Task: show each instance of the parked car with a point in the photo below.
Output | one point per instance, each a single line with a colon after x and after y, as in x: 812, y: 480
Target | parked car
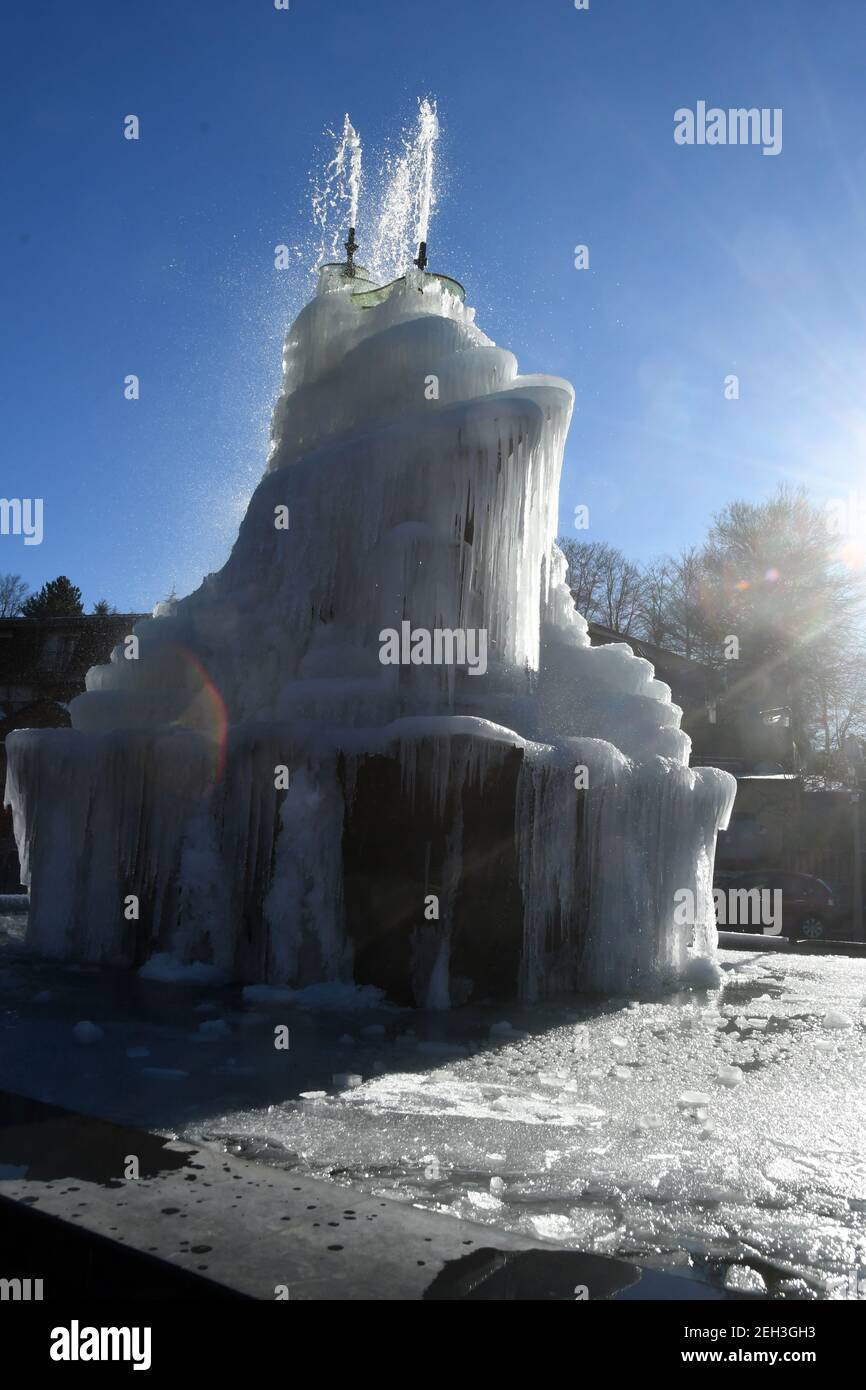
x: 810, y: 908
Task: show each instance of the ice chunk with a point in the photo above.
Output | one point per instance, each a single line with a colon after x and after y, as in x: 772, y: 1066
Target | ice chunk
x: 730, y: 1075
x: 834, y: 1018
x: 167, y: 969
x: 86, y: 1032
x: 267, y: 994
x: 694, y: 1100
x: 646, y: 1123
x: 744, y: 1279
x: 347, y: 1080
x: 795, y: 1288
x: 214, y: 1028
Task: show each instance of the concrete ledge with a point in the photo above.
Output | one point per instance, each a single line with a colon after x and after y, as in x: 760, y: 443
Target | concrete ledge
x: 199, y: 1224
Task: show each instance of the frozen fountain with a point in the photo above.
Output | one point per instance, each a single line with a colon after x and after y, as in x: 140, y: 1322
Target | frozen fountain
x: 377, y: 744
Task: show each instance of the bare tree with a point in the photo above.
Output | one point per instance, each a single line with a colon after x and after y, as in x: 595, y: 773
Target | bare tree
x: 770, y: 575
x: 654, y: 616
x: 13, y: 592
x: 622, y: 594
x: 606, y: 587
x: 835, y: 696
x: 586, y: 567
x: 688, y: 607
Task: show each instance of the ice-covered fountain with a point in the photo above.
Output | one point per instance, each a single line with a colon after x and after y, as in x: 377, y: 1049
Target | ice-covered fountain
x: 305, y: 771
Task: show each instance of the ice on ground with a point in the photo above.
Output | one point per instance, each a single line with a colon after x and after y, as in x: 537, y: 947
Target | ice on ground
x: 214, y: 1029
x: 627, y: 1166
x: 335, y: 996
x: 86, y: 1032
x: 347, y: 1080
x: 694, y: 1100
x: 834, y: 1018
x: 730, y: 1076
x: 168, y: 970
x: 744, y: 1280
x: 268, y: 994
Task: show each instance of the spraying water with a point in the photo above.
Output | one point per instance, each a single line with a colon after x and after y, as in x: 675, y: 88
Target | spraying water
x: 408, y: 198
x: 335, y: 198
x: 428, y: 134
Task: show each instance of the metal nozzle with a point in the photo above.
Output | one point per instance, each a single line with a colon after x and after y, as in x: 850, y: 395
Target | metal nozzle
x: 351, y: 247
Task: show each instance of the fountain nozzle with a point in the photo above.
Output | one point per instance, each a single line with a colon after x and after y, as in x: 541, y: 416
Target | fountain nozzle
x: 421, y: 258
x: 351, y: 247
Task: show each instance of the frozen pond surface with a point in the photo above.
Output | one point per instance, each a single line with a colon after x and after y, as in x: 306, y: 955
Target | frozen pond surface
x: 705, y: 1130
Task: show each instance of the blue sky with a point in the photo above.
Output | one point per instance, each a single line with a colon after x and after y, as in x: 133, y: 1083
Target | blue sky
x: 156, y: 257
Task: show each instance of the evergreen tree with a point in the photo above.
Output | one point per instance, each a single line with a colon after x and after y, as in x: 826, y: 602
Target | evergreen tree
x: 59, y: 598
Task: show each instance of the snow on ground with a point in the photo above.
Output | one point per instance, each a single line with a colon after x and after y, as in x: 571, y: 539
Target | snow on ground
x: 711, y: 1129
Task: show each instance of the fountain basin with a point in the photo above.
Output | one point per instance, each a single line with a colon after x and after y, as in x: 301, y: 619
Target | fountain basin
x: 366, y: 298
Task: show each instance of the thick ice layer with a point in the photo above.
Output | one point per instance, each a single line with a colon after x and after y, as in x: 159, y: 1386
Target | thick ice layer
x: 712, y: 1130
x: 615, y: 856
x: 705, y: 1132
x: 413, y: 479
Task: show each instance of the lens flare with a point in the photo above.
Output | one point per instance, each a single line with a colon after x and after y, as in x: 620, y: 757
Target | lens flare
x: 206, y: 711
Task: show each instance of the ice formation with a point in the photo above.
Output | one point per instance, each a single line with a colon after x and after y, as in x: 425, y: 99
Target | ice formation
x: 217, y: 769
x: 576, y: 1109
